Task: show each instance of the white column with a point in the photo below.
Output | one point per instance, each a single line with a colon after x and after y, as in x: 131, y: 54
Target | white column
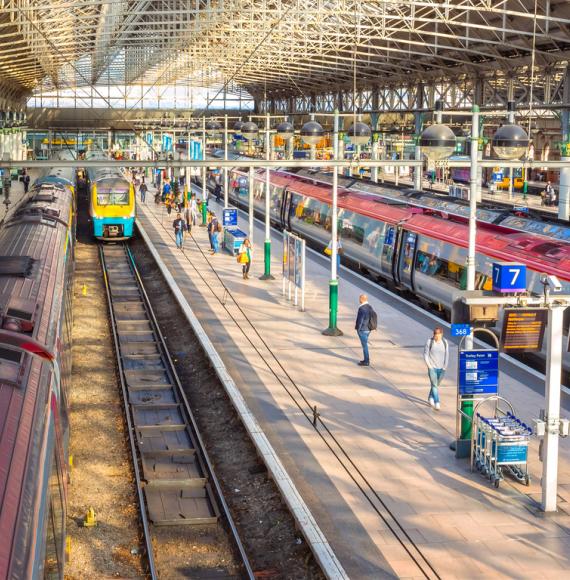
x: 564, y: 192
x: 553, y: 380
x: 251, y: 185
x: 225, y: 170
x: 418, y: 170
x: 374, y: 170
x: 473, y: 187
x: 334, y: 209
x: 204, y: 172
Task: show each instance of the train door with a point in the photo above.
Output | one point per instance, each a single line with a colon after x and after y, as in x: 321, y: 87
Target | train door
x: 388, y: 253
x: 406, y: 256
x: 284, y: 213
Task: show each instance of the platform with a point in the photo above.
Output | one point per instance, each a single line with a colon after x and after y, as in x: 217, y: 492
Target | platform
x: 459, y: 524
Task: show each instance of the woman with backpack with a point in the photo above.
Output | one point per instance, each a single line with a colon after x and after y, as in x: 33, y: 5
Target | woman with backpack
x: 244, y: 257
x: 436, y: 357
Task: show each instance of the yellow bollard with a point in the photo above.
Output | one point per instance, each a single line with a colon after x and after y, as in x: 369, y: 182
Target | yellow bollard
x: 67, y: 548
x: 90, y: 521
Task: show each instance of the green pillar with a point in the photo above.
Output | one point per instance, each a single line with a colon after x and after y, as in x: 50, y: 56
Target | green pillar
x: 204, y: 209
x: 332, y: 330
x: 466, y: 424
x: 267, y: 261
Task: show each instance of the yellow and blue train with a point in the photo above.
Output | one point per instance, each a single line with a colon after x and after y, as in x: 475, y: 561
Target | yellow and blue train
x: 112, y: 205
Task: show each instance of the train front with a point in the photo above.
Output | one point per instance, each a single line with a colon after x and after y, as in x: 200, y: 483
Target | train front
x: 112, y: 208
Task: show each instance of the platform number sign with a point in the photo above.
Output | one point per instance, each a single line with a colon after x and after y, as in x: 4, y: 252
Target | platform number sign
x: 509, y: 277
x: 460, y: 329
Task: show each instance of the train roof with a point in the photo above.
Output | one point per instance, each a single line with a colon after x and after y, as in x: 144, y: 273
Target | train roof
x: 33, y: 239
x: 540, y: 253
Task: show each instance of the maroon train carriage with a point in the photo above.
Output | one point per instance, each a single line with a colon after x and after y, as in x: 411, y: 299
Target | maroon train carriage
x: 410, y: 247
x: 36, y: 267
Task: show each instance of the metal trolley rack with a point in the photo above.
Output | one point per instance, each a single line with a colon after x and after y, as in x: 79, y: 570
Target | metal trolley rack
x: 500, y: 444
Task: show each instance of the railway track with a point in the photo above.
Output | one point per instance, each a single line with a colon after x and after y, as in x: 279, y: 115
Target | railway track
x: 176, y: 485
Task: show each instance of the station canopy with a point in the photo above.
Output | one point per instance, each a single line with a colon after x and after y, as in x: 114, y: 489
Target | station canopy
x: 279, y: 48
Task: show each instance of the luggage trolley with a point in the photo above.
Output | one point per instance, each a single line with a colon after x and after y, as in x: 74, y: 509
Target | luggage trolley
x: 500, y: 443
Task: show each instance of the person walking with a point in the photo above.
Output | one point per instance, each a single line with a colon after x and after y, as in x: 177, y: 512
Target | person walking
x: 550, y: 194
x: 436, y: 357
x: 245, y: 255
x: 215, y: 229
x: 194, y: 209
x: 143, y: 189
x: 179, y: 226
x: 366, y: 321
x: 26, y: 182
x: 218, y: 191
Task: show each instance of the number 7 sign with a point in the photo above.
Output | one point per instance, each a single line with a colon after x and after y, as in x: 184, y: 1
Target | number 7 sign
x: 509, y: 277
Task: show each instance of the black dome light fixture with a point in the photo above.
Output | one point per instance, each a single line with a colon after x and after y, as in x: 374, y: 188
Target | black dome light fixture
x: 238, y: 125
x: 312, y: 132
x: 438, y: 142
x: 359, y: 133
x: 285, y: 130
x: 250, y: 130
x: 213, y: 128
x: 510, y: 142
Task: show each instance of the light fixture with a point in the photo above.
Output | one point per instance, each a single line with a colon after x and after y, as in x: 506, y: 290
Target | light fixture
x: 438, y: 142
x: 312, y: 132
x: 285, y: 130
x: 250, y: 130
x: 212, y: 128
x: 510, y: 142
x: 238, y: 127
x: 359, y: 133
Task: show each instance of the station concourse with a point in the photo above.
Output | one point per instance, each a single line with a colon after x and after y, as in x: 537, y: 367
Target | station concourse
x: 380, y: 416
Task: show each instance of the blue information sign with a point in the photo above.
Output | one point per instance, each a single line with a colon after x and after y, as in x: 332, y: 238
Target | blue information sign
x: 460, y: 329
x: 478, y: 372
x: 230, y: 217
x: 497, y: 176
x: 509, y: 277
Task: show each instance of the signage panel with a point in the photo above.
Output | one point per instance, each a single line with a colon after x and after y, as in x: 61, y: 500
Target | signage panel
x: 460, y: 329
x: 523, y: 329
x: 478, y: 372
x: 230, y: 217
x: 509, y: 277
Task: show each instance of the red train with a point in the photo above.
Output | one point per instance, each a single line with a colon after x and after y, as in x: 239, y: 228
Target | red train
x: 36, y: 267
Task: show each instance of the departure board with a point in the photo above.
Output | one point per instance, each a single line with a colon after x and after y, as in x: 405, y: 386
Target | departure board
x: 523, y: 329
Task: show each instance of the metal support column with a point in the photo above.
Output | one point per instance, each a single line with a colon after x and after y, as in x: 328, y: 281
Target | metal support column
x: 553, y: 381
x: 204, y: 173
x: 225, y: 169
x: 467, y: 404
x: 267, y: 244
x: 332, y: 329
x: 250, y: 187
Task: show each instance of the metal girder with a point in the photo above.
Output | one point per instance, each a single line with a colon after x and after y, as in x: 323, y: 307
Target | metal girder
x: 283, y: 48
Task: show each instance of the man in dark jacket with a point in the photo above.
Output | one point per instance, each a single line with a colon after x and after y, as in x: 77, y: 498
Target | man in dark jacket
x: 363, y: 327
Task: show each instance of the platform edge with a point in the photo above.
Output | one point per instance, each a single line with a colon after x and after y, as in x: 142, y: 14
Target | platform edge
x: 311, y: 531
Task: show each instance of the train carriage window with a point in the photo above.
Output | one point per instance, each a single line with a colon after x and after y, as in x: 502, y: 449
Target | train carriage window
x: 311, y: 212
x: 430, y: 261
x: 351, y: 226
x: 374, y: 236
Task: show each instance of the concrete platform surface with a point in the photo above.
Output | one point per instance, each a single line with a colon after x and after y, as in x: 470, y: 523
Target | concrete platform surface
x: 382, y: 483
